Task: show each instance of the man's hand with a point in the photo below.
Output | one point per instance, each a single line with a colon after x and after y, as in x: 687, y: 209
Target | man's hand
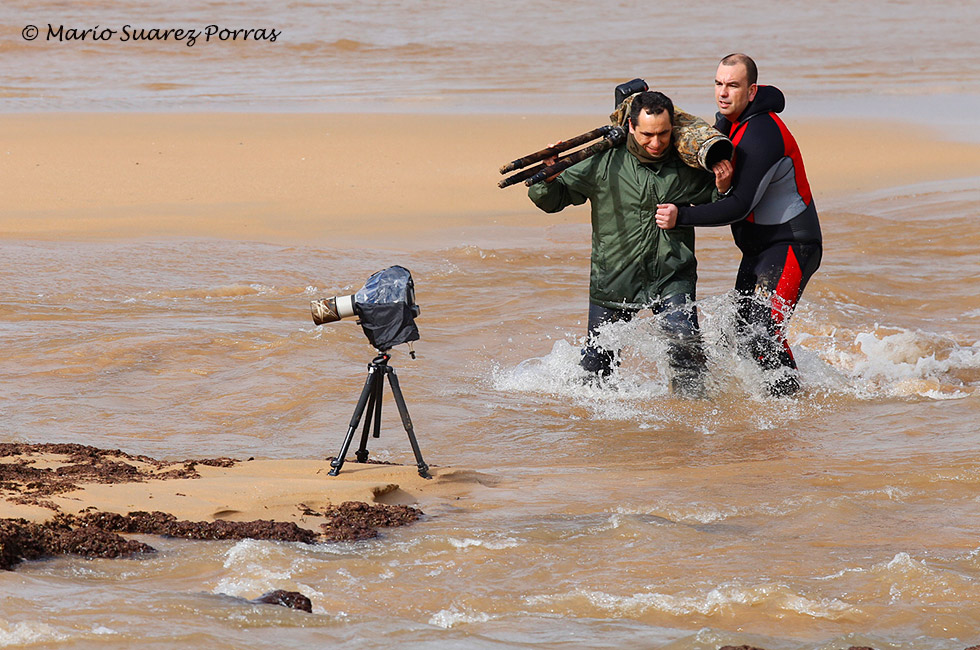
x: 548, y: 162
x: 666, y: 215
x: 723, y: 172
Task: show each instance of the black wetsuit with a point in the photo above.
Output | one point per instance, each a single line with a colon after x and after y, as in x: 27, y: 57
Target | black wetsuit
x: 775, y: 225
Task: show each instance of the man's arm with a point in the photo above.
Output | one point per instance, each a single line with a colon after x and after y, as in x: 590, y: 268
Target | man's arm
x: 571, y: 187
x: 759, y: 150
x: 713, y: 187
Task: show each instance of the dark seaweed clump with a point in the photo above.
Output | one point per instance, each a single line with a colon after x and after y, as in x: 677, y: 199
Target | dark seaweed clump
x: 22, y: 482
x: 99, y: 534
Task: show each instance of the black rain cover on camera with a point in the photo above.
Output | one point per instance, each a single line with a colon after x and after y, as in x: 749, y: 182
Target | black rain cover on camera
x: 386, y: 307
x: 388, y: 325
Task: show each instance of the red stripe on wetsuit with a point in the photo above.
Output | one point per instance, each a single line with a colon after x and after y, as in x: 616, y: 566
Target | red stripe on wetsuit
x: 787, y: 293
x: 792, y: 150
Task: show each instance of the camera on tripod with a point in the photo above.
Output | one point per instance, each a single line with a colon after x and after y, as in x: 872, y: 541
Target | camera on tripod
x: 385, y: 308
x: 386, y: 311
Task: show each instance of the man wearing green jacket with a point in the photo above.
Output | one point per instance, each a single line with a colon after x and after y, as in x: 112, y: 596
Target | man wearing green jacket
x: 635, y: 264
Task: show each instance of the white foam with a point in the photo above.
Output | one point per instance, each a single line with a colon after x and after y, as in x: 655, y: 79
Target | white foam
x: 451, y: 617
x: 719, y: 600
x: 865, y: 363
x: 28, y: 633
x: 250, y: 564
x: 908, y: 578
x: 626, y: 395
x: 468, y: 542
x: 900, y: 362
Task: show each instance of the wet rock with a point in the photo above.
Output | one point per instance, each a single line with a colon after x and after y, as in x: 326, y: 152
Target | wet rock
x: 91, y: 541
x: 283, y: 598
x: 97, y: 534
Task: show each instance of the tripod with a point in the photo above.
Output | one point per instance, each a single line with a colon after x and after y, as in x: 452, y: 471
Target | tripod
x: 371, y: 397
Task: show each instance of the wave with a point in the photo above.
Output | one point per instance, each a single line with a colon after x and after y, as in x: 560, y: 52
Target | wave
x: 897, y: 362
x: 378, y: 52
x: 872, y: 363
x: 453, y: 616
x: 24, y: 633
x: 225, y: 291
x: 469, y: 542
x: 718, y: 601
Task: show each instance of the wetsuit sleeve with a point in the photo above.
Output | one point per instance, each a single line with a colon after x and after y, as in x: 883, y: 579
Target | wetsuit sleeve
x: 573, y: 187
x: 760, y: 148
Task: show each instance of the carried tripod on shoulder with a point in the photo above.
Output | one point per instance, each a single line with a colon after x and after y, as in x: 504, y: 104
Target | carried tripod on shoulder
x: 698, y: 144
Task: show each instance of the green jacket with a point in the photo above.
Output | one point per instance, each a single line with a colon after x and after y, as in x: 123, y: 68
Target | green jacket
x: 634, y: 263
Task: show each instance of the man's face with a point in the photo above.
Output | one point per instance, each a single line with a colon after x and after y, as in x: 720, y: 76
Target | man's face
x: 732, y: 90
x: 652, y: 132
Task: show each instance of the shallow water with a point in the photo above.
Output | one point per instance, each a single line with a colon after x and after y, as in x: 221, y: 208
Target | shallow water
x: 512, y: 56
x: 616, y: 516
x: 602, y: 518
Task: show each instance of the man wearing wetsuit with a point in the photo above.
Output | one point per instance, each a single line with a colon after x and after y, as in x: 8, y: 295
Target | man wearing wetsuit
x: 771, y: 212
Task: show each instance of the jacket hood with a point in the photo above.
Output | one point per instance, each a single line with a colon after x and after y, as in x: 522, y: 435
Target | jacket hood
x: 768, y: 99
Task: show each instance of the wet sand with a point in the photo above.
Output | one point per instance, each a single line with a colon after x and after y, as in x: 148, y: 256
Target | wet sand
x: 75, y: 499
x: 346, y: 178
x: 40, y: 481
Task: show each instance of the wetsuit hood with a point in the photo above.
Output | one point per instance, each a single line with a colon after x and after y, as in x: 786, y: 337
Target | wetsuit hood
x: 768, y: 99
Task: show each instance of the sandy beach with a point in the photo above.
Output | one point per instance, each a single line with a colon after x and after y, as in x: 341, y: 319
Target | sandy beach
x: 241, y: 490
x: 339, y: 179
x: 170, y: 210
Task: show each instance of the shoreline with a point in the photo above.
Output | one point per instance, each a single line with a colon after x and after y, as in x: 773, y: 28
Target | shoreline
x: 71, y: 499
x: 341, y: 179
x: 39, y: 481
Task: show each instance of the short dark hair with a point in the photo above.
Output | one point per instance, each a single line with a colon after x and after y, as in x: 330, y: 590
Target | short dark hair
x: 746, y: 60
x: 654, y: 103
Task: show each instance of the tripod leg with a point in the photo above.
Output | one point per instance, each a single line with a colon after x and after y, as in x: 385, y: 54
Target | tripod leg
x: 366, y: 392
x: 379, y: 394
x: 407, y: 422
x: 373, y: 414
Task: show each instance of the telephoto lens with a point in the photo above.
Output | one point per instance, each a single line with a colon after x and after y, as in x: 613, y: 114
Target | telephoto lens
x: 328, y: 310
